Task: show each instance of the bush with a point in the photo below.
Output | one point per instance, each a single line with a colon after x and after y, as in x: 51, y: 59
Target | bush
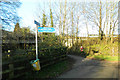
x: 50, y: 46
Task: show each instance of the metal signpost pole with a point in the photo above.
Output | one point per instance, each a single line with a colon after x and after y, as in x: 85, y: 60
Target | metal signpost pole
x: 36, y: 43
x: 40, y: 29
x: 35, y: 63
x: 37, y: 24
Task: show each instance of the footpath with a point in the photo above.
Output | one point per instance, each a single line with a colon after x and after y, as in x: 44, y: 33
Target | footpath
x: 87, y: 68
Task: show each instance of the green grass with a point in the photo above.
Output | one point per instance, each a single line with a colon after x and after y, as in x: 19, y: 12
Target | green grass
x: 112, y: 58
x: 51, y: 71
x: 106, y: 58
x: 105, y: 51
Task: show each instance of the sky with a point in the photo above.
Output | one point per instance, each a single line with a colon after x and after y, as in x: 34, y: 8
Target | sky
x: 27, y: 13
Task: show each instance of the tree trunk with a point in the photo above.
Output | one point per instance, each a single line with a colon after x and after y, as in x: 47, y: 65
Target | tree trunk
x: 100, y: 22
x: 60, y: 27
x: 77, y: 30
x: 72, y: 27
x: 113, y: 31
x: 67, y: 37
x: 107, y: 22
x: 87, y: 30
x: 64, y: 21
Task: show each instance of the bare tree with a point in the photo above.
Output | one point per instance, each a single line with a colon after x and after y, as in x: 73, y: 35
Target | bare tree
x: 8, y: 14
x: 107, y: 21
x: 60, y: 21
x: 87, y: 29
x: 72, y: 20
x: 64, y: 20
x: 93, y: 11
x: 113, y: 18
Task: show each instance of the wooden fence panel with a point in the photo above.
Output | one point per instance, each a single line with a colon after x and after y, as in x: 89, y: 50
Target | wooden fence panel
x: 15, y: 69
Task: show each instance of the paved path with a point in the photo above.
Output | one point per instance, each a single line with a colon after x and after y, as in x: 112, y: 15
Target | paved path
x: 87, y: 68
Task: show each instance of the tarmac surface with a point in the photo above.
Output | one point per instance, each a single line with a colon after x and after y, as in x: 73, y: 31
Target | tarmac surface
x: 87, y: 68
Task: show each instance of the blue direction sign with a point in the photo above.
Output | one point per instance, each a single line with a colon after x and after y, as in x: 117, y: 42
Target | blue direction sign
x: 37, y: 23
x: 46, y: 29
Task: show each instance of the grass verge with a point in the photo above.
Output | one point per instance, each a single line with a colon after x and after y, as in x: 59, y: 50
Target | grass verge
x: 51, y: 71
x: 104, y: 57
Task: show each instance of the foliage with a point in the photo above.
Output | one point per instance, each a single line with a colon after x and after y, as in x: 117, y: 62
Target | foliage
x: 51, y: 46
x: 13, y: 39
x: 17, y: 31
x: 103, y: 51
x: 44, y: 20
x: 75, y: 50
x: 25, y: 32
x: 8, y: 14
x: 96, y: 48
x: 47, y: 49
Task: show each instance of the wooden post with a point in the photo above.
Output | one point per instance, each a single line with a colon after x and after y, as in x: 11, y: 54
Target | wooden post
x: 11, y: 68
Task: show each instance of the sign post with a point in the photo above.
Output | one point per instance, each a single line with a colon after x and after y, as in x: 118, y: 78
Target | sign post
x: 42, y: 29
x: 46, y: 29
x: 36, y: 44
x: 35, y: 63
x: 37, y: 24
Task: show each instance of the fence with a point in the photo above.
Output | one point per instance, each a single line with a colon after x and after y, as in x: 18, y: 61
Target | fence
x: 18, y: 68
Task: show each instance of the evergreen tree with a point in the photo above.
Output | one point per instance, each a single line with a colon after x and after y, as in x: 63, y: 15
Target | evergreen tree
x: 25, y: 32
x: 17, y: 27
x: 51, y: 17
x: 44, y: 20
x: 17, y: 30
x: 17, y: 34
